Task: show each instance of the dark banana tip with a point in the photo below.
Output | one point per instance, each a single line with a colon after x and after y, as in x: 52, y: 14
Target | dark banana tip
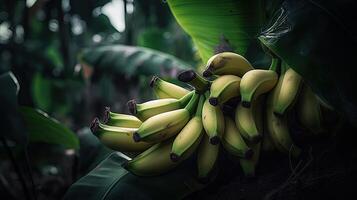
x: 132, y: 106
x: 106, y: 115
x: 249, y: 154
x: 153, y: 81
x: 207, y: 73
x: 213, y: 101
x: 174, y: 157
x: 136, y: 137
x: 257, y: 139
x: 246, y: 104
x: 186, y: 76
x: 278, y: 114
x: 94, y: 125
x: 214, y: 140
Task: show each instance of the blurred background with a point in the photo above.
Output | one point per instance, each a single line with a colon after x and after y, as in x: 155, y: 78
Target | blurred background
x: 72, y: 58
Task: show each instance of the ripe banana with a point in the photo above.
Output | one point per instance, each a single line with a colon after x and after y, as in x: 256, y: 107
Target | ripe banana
x: 309, y: 111
x: 224, y: 88
x: 117, y: 138
x: 165, y: 125
x: 256, y: 82
x: 151, y: 108
x: 200, y: 84
x: 249, y: 121
x: 227, y: 63
x: 213, y: 122
x: 164, y: 89
x: 288, y: 92
x: 121, y: 120
x: 233, y: 142
x: 206, y: 157
x: 278, y: 127
x: 248, y: 165
x: 190, y: 136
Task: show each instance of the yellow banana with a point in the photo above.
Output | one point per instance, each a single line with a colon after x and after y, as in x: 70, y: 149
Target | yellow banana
x: 117, y: 138
x: 206, y: 157
x: 164, y: 89
x: 233, y: 142
x: 200, y: 84
x: 121, y: 120
x: 213, y: 122
x: 224, y: 88
x: 151, y: 108
x: 249, y: 165
x: 190, y: 135
x: 165, y: 125
x: 227, y: 63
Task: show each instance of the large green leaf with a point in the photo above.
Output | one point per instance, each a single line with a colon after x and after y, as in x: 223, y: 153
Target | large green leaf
x: 130, y: 60
x: 109, y: 180
x: 42, y: 128
x: 318, y: 40
x: 208, y: 21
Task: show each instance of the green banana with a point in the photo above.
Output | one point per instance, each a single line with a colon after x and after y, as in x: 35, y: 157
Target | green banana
x: 117, y: 138
x: 227, y: 63
x: 200, y: 84
x: 165, y: 125
x: 224, y: 88
x: 121, y: 120
x: 257, y: 82
x: 233, y: 142
x: 213, y: 122
x: 206, y: 157
x: 190, y: 135
x: 288, y: 92
x: 248, y: 165
x: 151, y: 108
x: 164, y: 89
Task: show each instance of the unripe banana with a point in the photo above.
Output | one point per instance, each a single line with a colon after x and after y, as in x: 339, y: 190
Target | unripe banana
x: 117, y: 138
x: 224, y: 88
x: 227, y: 63
x: 249, y: 165
x: 288, y: 92
x: 120, y: 120
x: 165, y: 125
x: 309, y: 110
x: 151, y: 108
x: 200, y: 84
x: 164, y: 89
x: 278, y: 127
x: 206, y: 157
x: 233, y: 142
x: 190, y: 135
x: 249, y: 121
x: 213, y: 122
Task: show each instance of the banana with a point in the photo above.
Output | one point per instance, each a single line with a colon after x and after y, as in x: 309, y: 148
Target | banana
x: 224, y: 88
x: 249, y: 165
x: 277, y: 126
x: 206, y: 157
x: 121, y: 120
x: 257, y: 82
x: 309, y: 110
x: 165, y: 125
x: 190, y: 135
x: 200, y: 84
x: 288, y: 92
x: 227, y: 63
x: 148, y: 109
x: 249, y: 120
x: 117, y: 138
x: 233, y: 142
x: 213, y: 122
x: 164, y: 89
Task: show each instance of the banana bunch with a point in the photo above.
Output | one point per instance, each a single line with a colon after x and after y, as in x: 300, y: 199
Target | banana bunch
x: 205, y: 118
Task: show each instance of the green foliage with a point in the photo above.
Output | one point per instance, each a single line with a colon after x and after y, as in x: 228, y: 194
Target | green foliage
x: 42, y: 128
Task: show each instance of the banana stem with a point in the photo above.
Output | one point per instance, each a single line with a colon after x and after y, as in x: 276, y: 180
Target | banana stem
x: 275, y: 64
x: 200, y: 106
x: 185, y: 99
x: 200, y: 84
x: 192, y: 104
x: 284, y: 67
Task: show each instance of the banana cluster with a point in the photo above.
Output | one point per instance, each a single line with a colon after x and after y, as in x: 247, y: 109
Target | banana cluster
x: 232, y: 106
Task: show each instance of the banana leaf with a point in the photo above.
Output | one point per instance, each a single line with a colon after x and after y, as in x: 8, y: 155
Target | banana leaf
x: 130, y: 61
x: 109, y: 180
x: 318, y: 40
x: 220, y: 25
